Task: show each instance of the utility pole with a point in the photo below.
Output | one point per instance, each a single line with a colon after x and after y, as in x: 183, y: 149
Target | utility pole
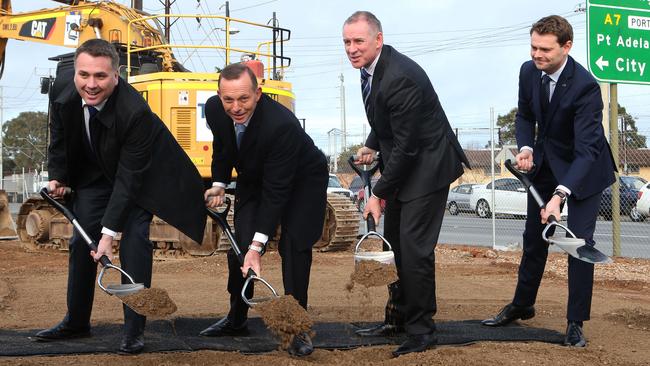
x: 1, y: 140
x: 168, y: 23
x: 344, y: 144
x: 136, y: 4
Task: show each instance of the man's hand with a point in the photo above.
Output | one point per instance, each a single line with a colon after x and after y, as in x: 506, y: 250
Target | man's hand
x: 365, y: 155
x: 524, y: 160
x: 552, y: 208
x: 373, y: 207
x: 214, y: 196
x: 252, y: 260
x: 56, y: 189
x: 105, y: 247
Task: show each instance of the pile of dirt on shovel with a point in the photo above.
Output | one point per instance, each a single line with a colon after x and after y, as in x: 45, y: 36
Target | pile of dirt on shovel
x: 285, y: 318
x: 151, y: 302
x: 370, y: 273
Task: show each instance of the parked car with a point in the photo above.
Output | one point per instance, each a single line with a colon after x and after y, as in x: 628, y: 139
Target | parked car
x: 629, y: 194
x: 458, y: 199
x: 510, y: 198
x: 642, y: 209
x: 334, y: 186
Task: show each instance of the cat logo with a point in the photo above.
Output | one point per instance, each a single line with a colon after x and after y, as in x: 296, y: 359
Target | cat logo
x: 41, y: 28
x: 38, y: 29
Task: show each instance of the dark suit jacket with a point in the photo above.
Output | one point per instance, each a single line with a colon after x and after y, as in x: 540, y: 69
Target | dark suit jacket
x: 571, y: 135
x: 419, y: 151
x: 279, y: 169
x: 136, y: 153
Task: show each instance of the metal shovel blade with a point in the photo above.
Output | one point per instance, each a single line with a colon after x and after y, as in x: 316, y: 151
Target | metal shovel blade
x: 579, y: 249
x: 124, y: 289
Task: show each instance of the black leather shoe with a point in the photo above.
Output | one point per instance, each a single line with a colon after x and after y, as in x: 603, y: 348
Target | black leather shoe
x: 62, y: 331
x: 225, y: 327
x: 301, y: 345
x: 381, y: 330
x: 574, y: 335
x: 509, y: 314
x: 132, y: 344
x: 416, y: 343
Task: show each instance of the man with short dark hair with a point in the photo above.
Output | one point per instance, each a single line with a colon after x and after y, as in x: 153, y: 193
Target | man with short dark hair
x: 124, y: 167
x: 281, y: 179
x: 563, y: 147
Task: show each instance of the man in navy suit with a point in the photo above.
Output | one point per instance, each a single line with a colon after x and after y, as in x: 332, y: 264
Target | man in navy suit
x: 563, y: 147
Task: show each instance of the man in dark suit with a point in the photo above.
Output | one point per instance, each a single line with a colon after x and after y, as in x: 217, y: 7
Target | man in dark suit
x: 560, y: 137
x: 420, y: 157
x: 281, y: 179
x: 124, y: 166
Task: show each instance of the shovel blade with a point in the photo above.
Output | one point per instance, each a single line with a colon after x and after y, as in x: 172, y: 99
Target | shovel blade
x: 577, y: 248
x: 124, y: 289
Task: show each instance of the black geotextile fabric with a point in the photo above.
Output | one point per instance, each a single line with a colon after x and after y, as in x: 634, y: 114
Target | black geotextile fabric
x: 181, y: 334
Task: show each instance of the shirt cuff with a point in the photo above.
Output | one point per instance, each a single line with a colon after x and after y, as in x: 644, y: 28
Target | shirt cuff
x: 262, y: 238
x: 109, y: 232
x: 526, y: 148
x: 218, y: 184
x: 564, y: 189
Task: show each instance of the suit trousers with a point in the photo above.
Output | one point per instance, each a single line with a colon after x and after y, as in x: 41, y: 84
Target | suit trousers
x: 136, y: 255
x: 412, y: 228
x: 582, y: 221
x: 296, y: 265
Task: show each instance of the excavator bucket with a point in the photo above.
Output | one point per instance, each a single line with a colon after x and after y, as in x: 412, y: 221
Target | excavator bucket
x: 7, y: 225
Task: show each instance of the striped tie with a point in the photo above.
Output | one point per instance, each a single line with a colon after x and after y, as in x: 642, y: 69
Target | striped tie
x: 365, y: 89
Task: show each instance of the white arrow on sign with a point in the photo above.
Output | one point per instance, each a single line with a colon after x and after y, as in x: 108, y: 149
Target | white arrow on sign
x: 602, y: 63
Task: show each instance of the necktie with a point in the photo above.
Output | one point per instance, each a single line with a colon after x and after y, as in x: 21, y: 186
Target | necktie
x: 546, y: 91
x: 365, y: 88
x: 240, y: 128
x: 92, y: 112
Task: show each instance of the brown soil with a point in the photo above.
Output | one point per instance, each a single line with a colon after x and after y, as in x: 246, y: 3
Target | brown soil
x: 285, y: 317
x: 152, y: 302
x: 472, y: 283
x: 370, y: 273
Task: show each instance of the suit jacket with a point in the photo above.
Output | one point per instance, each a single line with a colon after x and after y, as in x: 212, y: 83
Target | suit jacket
x: 570, y: 135
x: 419, y: 151
x: 136, y: 153
x: 279, y: 169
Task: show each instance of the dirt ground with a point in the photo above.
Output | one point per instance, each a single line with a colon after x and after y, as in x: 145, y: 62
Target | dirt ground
x: 473, y: 283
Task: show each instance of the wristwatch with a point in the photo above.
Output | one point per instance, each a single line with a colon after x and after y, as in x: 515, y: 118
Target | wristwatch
x: 560, y: 193
x: 260, y: 250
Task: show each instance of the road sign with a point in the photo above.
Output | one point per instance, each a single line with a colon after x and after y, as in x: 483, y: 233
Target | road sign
x: 618, y: 40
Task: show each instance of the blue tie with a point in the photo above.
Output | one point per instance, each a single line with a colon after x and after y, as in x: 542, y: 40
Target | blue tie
x: 92, y: 111
x: 365, y: 88
x: 546, y: 92
x: 240, y: 128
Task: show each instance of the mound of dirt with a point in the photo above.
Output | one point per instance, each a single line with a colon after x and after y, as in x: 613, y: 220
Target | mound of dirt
x: 151, y: 302
x: 285, y: 318
x: 371, y: 273
x: 637, y: 318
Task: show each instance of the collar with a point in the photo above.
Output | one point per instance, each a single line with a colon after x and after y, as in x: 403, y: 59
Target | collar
x: 556, y: 75
x: 98, y: 106
x: 371, y: 69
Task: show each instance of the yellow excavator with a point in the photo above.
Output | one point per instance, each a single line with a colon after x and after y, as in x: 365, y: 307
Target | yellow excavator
x: 174, y: 93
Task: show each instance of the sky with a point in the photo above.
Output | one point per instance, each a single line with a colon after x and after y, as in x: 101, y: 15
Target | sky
x: 471, y: 51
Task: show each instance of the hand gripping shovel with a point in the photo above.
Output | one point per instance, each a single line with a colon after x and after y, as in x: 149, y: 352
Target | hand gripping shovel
x: 572, y: 245
x: 221, y: 218
x: 111, y: 289
x: 387, y: 256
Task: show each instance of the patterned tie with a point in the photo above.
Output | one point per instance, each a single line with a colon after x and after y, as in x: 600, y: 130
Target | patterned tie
x: 240, y: 128
x: 546, y: 92
x: 365, y: 89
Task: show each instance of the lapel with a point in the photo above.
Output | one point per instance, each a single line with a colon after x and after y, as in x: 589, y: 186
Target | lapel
x: 561, y: 87
x: 382, y: 63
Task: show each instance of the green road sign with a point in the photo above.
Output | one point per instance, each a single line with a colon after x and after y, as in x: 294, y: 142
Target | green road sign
x: 618, y: 40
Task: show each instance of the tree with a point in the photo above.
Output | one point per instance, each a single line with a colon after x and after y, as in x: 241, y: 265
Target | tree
x: 506, y: 125
x: 24, y: 141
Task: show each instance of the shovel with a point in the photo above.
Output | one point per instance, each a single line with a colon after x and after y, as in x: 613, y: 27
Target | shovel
x: 387, y: 256
x: 221, y: 218
x: 574, y: 246
x: 111, y: 289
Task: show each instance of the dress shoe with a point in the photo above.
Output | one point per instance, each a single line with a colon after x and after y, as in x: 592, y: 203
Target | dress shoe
x: 62, y: 331
x: 301, y: 345
x: 132, y: 344
x: 574, y: 335
x: 509, y: 314
x: 381, y: 330
x: 225, y: 327
x: 416, y: 343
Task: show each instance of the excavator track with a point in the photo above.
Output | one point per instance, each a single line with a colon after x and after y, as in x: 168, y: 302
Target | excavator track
x: 341, y: 224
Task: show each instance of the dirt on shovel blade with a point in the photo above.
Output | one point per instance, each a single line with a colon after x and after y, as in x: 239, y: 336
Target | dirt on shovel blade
x: 285, y: 318
x: 370, y: 273
x: 152, y: 302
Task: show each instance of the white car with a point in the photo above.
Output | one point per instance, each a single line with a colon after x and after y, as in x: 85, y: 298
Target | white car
x: 510, y: 198
x: 334, y: 186
x: 642, y: 208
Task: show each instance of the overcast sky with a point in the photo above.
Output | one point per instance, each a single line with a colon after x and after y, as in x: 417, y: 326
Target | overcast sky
x: 471, y: 50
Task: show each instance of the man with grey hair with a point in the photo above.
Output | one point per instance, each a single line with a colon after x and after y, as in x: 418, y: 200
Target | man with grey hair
x: 419, y: 156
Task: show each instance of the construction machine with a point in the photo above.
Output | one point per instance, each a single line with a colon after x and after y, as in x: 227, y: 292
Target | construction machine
x: 174, y: 93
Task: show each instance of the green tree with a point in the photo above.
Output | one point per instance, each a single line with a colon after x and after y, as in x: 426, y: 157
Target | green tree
x: 24, y: 141
x: 506, y: 125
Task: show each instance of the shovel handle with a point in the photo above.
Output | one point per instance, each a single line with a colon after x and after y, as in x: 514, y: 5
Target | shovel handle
x: 526, y: 181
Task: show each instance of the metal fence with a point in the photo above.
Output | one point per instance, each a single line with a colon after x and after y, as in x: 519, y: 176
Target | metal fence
x: 487, y: 205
